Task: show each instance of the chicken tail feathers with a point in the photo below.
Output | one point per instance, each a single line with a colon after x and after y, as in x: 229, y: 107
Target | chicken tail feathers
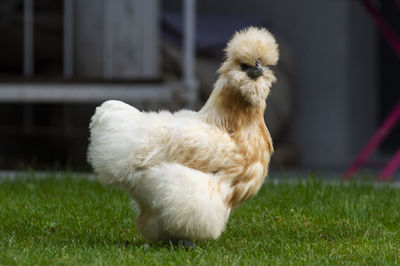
x: 109, y: 143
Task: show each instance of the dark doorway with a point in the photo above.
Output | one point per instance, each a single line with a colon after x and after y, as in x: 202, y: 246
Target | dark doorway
x: 389, y: 92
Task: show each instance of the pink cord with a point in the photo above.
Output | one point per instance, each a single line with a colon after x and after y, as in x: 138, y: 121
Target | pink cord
x: 384, y: 27
x: 391, y: 167
x: 392, y: 118
x: 378, y: 137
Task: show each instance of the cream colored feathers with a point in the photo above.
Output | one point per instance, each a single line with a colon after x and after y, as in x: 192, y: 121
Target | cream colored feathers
x: 252, y: 43
x: 187, y: 171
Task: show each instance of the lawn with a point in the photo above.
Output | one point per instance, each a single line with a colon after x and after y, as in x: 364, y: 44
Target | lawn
x: 72, y: 220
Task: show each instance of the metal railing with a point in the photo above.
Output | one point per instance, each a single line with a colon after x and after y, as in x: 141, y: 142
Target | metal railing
x: 96, y: 92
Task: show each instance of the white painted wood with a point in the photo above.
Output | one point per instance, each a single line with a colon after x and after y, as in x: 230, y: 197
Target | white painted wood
x: 150, y: 45
x: 189, y: 50
x: 117, y: 39
x: 85, y: 93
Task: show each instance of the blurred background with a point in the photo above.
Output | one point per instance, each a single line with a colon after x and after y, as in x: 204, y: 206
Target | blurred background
x: 337, y: 77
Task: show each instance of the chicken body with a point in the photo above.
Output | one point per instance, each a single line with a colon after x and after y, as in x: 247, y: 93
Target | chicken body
x: 188, y: 170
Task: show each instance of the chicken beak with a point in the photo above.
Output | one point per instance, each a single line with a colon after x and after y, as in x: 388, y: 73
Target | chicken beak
x: 258, y: 64
x: 256, y: 71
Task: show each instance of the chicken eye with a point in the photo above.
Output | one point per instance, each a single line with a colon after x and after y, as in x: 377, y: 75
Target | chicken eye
x: 244, y: 66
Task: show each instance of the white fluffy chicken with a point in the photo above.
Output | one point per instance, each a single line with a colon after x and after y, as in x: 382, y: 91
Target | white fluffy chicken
x: 188, y: 170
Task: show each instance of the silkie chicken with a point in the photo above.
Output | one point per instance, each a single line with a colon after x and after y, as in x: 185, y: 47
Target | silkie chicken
x: 187, y: 171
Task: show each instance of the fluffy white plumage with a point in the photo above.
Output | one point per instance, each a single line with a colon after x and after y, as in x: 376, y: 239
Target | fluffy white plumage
x: 188, y: 170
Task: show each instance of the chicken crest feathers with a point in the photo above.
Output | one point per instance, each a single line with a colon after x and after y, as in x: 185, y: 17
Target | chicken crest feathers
x: 249, y: 44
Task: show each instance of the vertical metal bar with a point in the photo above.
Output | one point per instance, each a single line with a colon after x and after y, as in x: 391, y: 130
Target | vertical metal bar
x: 68, y: 38
x: 107, y: 39
x: 189, y: 49
x: 28, y: 38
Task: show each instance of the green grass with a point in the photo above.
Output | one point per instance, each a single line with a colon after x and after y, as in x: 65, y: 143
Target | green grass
x: 76, y: 221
